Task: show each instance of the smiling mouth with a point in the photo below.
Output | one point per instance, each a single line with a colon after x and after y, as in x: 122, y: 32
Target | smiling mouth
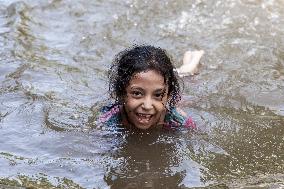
x: 144, y: 118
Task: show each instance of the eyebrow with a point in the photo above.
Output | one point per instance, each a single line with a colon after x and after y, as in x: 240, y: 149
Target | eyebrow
x: 161, y: 90
x: 136, y: 88
x: 157, y: 90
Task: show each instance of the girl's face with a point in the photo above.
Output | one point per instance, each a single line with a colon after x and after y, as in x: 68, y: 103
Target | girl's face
x: 145, y: 100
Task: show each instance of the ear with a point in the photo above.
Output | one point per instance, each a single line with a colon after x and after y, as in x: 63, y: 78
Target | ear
x: 122, y: 99
x: 169, y: 96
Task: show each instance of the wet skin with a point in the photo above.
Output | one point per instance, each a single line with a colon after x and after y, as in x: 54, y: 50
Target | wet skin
x: 145, y: 101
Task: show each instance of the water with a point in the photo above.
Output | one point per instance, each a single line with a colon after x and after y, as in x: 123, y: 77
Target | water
x: 54, y: 56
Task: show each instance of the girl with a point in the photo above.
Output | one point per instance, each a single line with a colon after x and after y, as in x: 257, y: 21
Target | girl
x: 145, y: 88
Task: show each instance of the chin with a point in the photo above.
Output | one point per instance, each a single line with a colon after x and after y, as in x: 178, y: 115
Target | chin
x: 143, y: 127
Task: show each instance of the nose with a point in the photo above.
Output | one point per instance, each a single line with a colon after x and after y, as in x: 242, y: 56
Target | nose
x: 147, y: 103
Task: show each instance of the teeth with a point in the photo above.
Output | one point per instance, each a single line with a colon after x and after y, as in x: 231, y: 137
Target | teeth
x: 144, y: 116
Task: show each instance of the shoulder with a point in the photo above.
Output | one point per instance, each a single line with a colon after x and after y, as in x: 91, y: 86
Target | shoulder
x: 110, y: 108
x: 108, y: 115
x: 175, y: 118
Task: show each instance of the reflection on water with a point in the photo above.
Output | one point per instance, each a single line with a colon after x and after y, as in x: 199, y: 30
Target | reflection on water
x: 155, y: 160
x: 54, y: 56
x: 141, y: 162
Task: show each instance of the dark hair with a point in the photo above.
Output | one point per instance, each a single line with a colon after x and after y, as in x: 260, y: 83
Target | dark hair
x: 142, y: 58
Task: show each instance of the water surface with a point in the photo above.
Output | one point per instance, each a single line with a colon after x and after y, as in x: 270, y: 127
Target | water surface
x: 54, y: 56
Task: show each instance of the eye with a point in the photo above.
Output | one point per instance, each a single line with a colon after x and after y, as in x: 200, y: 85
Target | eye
x: 136, y: 94
x: 159, y: 95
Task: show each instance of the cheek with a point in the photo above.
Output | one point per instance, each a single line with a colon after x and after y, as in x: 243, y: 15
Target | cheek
x: 161, y: 105
x: 130, y: 104
x: 164, y: 101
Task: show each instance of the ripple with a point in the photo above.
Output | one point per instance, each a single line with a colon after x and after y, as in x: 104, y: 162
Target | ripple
x: 54, y: 56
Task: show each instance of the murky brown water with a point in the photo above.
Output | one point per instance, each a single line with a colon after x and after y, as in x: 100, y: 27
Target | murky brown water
x: 53, y: 61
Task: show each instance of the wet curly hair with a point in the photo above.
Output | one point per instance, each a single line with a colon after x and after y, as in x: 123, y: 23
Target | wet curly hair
x: 137, y: 59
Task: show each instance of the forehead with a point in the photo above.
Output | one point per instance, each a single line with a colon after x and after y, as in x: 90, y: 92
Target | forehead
x: 147, y: 79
